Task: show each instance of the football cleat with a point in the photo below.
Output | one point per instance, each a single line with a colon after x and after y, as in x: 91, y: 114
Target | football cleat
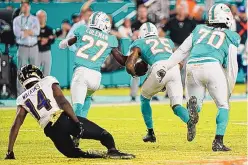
x: 193, y: 115
x: 76, y: 141
x: 150, y: 137
x: 218, y: 145
x: 116, y: 154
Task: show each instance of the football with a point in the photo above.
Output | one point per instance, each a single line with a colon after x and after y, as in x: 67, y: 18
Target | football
x: 141, y: 68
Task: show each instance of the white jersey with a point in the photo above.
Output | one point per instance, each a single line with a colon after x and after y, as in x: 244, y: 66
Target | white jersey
x: 39, y: 100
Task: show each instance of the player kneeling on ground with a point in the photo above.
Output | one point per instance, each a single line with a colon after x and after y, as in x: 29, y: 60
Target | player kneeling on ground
x: 155, y: 51
x: 211, y: 51
x: 44, y: 100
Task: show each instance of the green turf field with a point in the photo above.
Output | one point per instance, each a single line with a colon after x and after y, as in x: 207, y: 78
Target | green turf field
x: 127, y: 127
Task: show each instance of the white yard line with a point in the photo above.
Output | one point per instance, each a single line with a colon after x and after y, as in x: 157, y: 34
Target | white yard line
x: 135, y: 103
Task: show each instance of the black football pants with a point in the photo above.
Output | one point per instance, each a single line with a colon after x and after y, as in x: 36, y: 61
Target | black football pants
x: 60, y: 133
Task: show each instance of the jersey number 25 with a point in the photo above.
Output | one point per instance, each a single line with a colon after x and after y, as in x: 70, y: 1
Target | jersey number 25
x: 101, y: 44
x: 155, y: 50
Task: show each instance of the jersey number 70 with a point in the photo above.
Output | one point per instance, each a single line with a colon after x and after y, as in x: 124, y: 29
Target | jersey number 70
x: 42, y: 102
x: 204, y: 33
x: 91, y: 42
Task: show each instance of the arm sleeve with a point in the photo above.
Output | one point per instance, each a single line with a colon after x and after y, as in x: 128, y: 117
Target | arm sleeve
x: 19, y: 101
x: 51, y: 80
x: 181, y: 53
x: 232, y: 67
x: 71, y: 32
x: 17, y: 29
x: 36, y: 27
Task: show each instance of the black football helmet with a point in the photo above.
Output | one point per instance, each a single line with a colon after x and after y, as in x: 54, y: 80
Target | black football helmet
x: 29, y: 73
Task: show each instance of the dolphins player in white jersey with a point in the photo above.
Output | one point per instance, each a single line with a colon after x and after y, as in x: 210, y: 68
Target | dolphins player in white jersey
x: 212, y: 64
x: 44, y: 100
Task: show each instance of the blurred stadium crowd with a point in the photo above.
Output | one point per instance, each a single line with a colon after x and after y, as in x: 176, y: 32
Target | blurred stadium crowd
x: 175, y: 23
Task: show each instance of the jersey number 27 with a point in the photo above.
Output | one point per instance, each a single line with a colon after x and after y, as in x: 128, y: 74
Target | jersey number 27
x: 42, y: 102
x: 91, y: 42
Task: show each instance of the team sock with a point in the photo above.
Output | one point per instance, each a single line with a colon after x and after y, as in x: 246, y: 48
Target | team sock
x: 222, y: 121
x: 77, y: 107
x: 181, y: 112
x: 146, y: 112
x: 86, y: 107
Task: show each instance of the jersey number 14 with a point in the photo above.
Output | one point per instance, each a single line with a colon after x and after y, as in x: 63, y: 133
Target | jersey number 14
x: 42, y: 102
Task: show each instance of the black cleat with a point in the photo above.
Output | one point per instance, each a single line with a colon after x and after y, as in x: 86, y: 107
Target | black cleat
x: 116, y: 154
x: 150, y: 136
x: 218, y: 145
x: 76, y: 141
x: 193, y: 115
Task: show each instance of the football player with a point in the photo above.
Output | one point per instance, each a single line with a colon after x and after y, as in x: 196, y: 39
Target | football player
x: 155, y: 51
x: 44, y: 100
x: 94, y: 44
x: 212, y: 64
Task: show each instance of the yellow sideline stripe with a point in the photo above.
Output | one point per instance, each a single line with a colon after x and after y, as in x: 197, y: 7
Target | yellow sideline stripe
x: 239, y: 89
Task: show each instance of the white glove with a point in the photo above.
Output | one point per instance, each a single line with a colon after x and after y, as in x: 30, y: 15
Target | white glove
x: 63, y: 44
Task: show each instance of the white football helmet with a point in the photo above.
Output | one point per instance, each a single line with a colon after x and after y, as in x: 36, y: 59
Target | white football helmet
x: 101, y: 21
x: 148, y: 29
x: 220, y: 13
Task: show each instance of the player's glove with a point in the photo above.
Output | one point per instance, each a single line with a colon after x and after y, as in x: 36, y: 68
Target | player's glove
x: 80, y: 129
x: 10, y: 155
x: 63, y: 44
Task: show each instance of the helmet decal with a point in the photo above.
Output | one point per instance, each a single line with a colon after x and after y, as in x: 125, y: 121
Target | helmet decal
x: 213, y: 11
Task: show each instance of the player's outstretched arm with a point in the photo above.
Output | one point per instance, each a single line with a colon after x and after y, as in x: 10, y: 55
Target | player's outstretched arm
x: 63, y: 103
x: 20, y: 117
x: 119, y: 57
x: 131, y: 61
x: 67, y: 42
x: 181, y: 53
